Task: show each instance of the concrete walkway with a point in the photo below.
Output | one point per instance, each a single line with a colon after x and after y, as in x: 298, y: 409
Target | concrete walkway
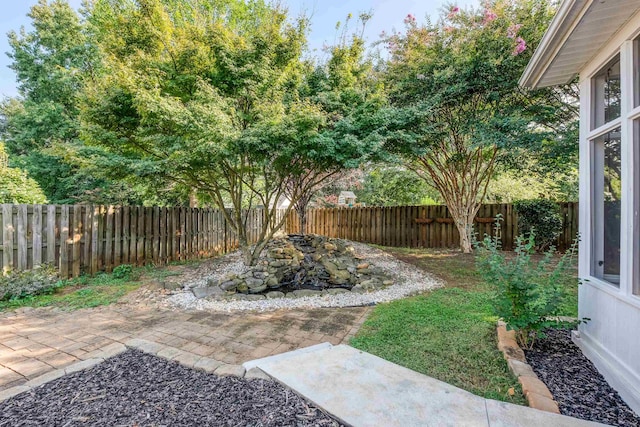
x: 34, y: 342
x: 364, y: 390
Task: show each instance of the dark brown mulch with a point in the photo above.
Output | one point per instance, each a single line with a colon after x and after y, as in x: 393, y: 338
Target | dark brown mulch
x: 138, y: 389
x: 580, y: 390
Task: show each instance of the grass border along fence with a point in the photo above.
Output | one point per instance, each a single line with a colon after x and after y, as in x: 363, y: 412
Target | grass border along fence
x: 421, y: 226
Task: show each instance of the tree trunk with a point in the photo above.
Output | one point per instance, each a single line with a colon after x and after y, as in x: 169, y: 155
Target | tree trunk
x: 302, y: 217
x: 465, y: 231
x: 463, y: 217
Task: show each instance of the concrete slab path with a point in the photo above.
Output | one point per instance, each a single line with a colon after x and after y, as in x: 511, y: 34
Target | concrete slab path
x: 34, y: 342
x: 364, y: 390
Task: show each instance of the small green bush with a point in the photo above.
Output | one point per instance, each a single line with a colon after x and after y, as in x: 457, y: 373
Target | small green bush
x: 528, y: 292
x: 23, y: 284
x: 123, y: 271
x: 541, y: 215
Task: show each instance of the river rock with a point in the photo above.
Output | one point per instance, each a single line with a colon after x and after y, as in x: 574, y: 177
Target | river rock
x: 258, y: 289
x: 275, y: 294
x: 306, y: 293
x: 229, y: 286
x: 254, y: 283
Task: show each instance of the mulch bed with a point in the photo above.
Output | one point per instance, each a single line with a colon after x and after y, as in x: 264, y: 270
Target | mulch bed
x: 138, y: 389
x: 575, y: 383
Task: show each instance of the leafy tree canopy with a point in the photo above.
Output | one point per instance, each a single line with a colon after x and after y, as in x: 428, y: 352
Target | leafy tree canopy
x: 456, y: 108
x: 215, y: 96
x: 15, y: 185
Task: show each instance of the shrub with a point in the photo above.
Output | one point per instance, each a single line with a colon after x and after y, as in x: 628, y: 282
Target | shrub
x: 528, y: 292
x: 123, y: 271
x: 22, y: 284
x: 541, y: 215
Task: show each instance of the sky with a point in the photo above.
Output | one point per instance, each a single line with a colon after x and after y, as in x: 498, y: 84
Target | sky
x: 387, y: 15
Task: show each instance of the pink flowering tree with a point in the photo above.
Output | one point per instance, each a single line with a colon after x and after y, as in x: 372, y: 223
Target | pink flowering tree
x: 457, y: 112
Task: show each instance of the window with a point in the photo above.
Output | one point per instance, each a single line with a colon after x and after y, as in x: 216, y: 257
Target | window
x: 636, y: 208
x: 606, y: 94
x: 636, y: 72
x: 606, y: 207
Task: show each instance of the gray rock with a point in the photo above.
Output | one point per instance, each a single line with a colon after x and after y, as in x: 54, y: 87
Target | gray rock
x: 254, y: 283
x: 336, y: 291
x: 242, y: 287
x: 229, y: 286
x: 358, y: 289
x: 275, y: 294
x: 273, y: 282
x: 341, y: 274
x: 258, y: 289
x: 337, y: 281
x: 387, y: 282
x: 260, y: 275
x: 207, y: 292
x: 330, y: 246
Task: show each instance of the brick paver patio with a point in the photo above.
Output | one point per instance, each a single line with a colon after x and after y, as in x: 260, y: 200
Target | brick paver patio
x: 36, y: 341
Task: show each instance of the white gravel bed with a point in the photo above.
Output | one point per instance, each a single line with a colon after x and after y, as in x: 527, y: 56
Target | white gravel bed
x: 408, y: 280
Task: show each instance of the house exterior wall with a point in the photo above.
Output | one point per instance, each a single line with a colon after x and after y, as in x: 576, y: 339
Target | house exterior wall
x: 611, y: 338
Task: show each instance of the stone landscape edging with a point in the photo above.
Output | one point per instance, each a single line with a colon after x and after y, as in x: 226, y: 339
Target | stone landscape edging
x: 182, y: 357
x: 535, y: 391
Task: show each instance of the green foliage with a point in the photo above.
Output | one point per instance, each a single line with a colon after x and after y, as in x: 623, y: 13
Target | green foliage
x: 16, y: 186
x: 511, y: 185
x: 23, y: 284
x: 539, y: 216
x: 393, y: 186
x: 41, y: 127
x: 457, y: 110
x: 123, y: 271
x: 529, y: 292
x: 218, y: 102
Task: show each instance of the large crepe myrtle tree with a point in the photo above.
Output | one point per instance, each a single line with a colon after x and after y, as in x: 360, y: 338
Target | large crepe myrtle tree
x: 207, y: 94
x: 456, y: 110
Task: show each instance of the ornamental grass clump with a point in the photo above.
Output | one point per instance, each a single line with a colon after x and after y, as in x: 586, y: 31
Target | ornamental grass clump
x: 529, y: 289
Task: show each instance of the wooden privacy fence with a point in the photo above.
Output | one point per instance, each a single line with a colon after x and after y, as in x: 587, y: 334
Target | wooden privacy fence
x: 87, y: 239
x: 420, y: 226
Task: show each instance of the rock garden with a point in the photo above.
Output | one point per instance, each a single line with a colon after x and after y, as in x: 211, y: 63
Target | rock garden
x: 301, y: 265
x: 302, y: 271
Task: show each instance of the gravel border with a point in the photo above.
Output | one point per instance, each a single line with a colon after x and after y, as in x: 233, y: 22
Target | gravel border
x: 580, y: 390
x: 409, y: 280
x: 136, y: 388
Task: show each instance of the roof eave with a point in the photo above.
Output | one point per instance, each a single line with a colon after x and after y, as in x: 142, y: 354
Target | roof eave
x: 552, y: 41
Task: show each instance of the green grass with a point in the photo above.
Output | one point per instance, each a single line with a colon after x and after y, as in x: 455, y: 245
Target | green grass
x: 93, y: 291
x: 449, y: 333
x: 83, y: 292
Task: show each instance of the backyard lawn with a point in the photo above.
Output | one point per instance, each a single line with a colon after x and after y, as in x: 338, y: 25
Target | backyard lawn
x: 449, y: 333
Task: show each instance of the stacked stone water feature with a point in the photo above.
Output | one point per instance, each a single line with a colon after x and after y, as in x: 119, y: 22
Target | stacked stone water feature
x: 302, y: 265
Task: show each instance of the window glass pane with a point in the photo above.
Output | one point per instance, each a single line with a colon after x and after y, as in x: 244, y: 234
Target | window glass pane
x: 606, y: 210
x: 606, y: 94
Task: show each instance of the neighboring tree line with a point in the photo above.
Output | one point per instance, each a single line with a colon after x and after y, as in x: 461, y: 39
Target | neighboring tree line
x: 163, y: 101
